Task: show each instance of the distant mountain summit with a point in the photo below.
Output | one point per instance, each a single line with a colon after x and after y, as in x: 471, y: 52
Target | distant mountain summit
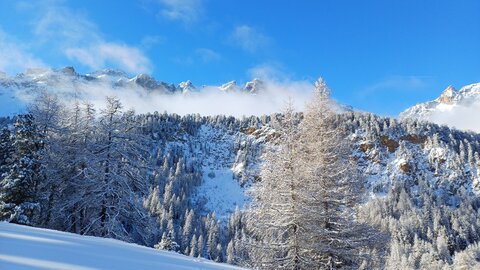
x: 48, y: 78
x: 453, y: 107
x: 447, y: 95
x: 17, y: 91
x: 187, y: 87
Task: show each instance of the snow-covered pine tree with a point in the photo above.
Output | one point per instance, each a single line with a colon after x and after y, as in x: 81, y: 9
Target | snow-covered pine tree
x: 187, y: 229
x: 168, y: 242
x: 6, y: 150
x: 193, y: 246
x: 18, y: 194
x: 201, y: 246
x: 231, y: 252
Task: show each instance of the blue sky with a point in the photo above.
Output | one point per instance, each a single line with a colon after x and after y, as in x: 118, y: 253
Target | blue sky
x: 378, y: 56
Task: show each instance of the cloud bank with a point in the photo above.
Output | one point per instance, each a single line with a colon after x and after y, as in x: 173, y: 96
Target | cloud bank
x: 464, y: 116
x: 271, y: 96
x: 206, y: 101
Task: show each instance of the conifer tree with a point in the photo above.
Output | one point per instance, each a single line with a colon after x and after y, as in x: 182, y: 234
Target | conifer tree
x: 275, y: 216
x: 18, y: 194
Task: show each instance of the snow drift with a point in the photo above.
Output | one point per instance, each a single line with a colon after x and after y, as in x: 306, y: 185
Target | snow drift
x: 23, y: 247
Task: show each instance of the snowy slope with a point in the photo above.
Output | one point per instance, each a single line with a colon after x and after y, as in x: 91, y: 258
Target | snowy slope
x: 220, y: 192
x: 23, y: 247
x: 225, y: 176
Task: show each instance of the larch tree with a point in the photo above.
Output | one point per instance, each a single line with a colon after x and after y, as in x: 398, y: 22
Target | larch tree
x: 48, y: 112
x: 78, y: 212
x: 276, y: 213
x: 334, y: 190
x: 303, y: 215
x: 120, y: 155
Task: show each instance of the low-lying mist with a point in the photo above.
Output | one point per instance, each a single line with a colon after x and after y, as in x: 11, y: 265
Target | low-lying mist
x: 462, y: 116
x: 208, y: 100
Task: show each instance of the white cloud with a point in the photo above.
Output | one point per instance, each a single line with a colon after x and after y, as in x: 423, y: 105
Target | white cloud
x: 102, y: 54
x: 207, y: 55
x: 61, y: 29
x: 186, y: 11
x: 14, y: 57
x: 464, y: 116
x: 63, y: 25
x: 248, y: 38
x: 209, y: 100
x: 397, y: 83
x: 150, y: 41
x: 269, y: 71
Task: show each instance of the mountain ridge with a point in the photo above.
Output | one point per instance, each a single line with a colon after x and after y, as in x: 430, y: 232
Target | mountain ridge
x: 117, y: 78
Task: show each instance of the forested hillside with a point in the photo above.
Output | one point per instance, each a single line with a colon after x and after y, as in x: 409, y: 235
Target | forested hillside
x: 156, y: 180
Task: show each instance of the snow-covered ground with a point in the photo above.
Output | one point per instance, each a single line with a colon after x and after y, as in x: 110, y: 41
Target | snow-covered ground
x: 222, y: 193
x: 219, y: 191
x: 23, y: 247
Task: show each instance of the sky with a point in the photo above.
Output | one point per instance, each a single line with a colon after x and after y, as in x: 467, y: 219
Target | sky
x: 379, y: 56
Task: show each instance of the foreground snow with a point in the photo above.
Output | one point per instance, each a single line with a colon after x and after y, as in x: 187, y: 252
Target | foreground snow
x: 23, y: 247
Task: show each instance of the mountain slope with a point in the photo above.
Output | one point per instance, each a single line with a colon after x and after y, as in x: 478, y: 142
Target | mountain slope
x: 23, y: 247
x: 457, y: 108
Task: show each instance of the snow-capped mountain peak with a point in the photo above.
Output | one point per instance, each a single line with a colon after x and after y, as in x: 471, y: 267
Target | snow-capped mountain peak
x: 114, y: 73
x: 69, y: 71
x: 254, y: 86
x: 447, y: 95
x: 187, y: 87
x: 251, y: 87
x: 453, y: 107
x: 145, y: 81
x: 50, y: 78
x: 229, y: 86
x: 149, y: 83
